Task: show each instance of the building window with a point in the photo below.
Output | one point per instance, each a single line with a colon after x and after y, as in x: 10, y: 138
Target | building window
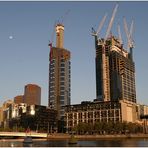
x: 62, y: 102
x: 62, y: 69
x: 62, y: 93
x: 62, y: 65
x: 62, y: 83
x: 62, y: 78
x: 62, y: 88
x: 62, y: 74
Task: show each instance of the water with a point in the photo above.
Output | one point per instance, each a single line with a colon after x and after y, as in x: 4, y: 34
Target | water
x: 81, y: 143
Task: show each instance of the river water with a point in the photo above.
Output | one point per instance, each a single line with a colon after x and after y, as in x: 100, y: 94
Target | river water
x: 81, y: 143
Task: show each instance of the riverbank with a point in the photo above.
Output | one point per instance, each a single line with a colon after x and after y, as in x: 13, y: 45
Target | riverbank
x: 115, y: 136
x: 82, y: 137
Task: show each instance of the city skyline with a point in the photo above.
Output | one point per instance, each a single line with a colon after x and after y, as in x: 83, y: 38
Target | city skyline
x: 26, y: 28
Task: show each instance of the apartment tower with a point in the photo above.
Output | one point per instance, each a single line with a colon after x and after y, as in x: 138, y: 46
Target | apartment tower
x: 115, y: 71
x: 59, y: 74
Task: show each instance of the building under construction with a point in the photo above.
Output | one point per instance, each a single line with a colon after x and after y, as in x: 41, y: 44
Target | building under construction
x: 115, y: 82
x: 115, y: 71
x: 59, y: 74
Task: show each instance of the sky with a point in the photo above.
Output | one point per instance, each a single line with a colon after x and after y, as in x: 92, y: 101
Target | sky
x: 26, y: 28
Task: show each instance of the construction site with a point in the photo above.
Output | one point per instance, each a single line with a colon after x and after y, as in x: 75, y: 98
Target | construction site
x: 115, y: 81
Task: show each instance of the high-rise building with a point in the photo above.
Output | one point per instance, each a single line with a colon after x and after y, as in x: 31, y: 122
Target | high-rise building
x: 59, y: 74
x: 115, y: 71
x: 32, y: 94
x: 19, y: 99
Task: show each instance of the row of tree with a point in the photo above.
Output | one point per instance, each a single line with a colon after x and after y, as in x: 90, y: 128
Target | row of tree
x: 108, y: 128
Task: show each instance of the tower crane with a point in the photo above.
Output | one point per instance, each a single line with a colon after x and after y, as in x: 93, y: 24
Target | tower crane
x: 94, y: 33
x: 129, y: 36
x: 131, y: 33
x: 119, y: 34
x: 111, y: 21
x: 64, y: 16
x: 51, y: 42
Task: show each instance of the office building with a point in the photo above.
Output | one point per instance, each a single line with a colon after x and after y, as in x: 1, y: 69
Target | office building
x: 32, y: 94
x: 115, y: 71
x: 59, y: 74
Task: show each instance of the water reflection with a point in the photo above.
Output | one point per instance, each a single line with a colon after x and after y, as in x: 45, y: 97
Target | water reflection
x: 27, y: 145
x: 83, y: 143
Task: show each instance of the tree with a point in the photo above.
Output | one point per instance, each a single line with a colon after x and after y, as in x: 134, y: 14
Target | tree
x: 118, y: 127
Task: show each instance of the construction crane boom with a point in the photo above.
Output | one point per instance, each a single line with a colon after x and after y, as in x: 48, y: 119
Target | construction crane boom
x: 111, y: 21
x: 94, y: 33
x: 131, y: 33
x: 119, y: 34
x: 101, y: 24
x: 129, y: 36
x: 131, y: 28
x: 64, y: 16
x: 126, y: 31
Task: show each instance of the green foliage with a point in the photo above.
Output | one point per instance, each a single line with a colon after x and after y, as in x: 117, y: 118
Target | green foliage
x: 108, y: 128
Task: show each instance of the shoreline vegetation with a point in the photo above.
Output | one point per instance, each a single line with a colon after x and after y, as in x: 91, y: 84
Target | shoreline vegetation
x: 82, y: 137
x: 114, y: 136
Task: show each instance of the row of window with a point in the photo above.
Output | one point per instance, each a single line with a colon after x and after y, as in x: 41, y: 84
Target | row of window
x: 107, y: 113
x: 76, y: 122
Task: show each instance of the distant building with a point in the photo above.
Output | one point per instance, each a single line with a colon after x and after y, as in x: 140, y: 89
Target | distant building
x: 1, y: 116
x: 6, y: 113
x: 59, y: 74
x: 19, y: 99
x: 115, y: 71
x: 32, y: 94
x: 7, y: 103
x: 92, y: 112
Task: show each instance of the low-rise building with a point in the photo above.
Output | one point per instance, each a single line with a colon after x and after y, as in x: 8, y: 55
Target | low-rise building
x: 36, y: 117
x: 4, y: 113
x: 91, y: 112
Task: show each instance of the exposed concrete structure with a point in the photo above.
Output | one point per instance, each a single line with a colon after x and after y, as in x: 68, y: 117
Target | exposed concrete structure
x: 115, y: 71
x: 59, y: 74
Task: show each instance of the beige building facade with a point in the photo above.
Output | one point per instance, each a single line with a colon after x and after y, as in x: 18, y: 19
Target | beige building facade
x: 92, y: 112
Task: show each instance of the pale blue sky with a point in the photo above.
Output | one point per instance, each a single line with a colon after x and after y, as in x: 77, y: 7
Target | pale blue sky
x: 24, y: 58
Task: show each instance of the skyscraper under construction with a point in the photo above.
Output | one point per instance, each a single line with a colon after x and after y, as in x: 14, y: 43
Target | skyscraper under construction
x: 115, y: 71
x: 59, y: 73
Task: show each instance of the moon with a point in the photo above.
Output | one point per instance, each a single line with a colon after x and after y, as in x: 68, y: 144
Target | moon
x: 10, y: 37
